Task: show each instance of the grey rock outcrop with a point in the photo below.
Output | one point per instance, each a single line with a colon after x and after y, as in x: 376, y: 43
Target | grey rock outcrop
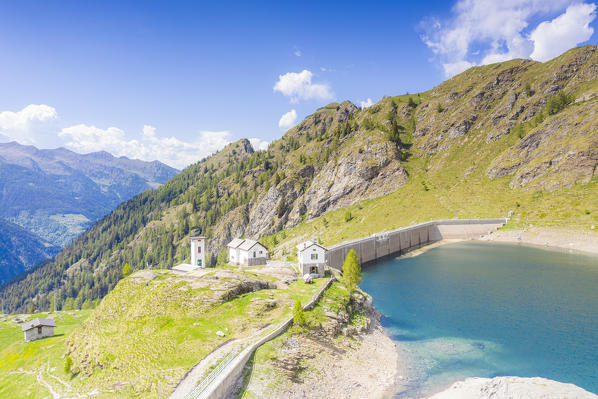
x: 513, y: 388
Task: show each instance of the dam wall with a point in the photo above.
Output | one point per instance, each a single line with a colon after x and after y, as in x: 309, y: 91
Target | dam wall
x: 405, y: 239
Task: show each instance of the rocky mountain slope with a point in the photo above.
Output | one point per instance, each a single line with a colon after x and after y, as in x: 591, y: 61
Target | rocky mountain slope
x: 57, y: 194
x: 20, y: 250
x: 516, y: 136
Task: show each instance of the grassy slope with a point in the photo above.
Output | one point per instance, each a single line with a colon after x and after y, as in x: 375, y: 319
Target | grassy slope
x: 21, y: 363
x: 453, y: 183
x: 446, y: 194
x: 144, y: 346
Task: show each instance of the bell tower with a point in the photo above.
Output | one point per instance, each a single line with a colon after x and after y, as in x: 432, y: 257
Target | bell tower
x: 198, y: 252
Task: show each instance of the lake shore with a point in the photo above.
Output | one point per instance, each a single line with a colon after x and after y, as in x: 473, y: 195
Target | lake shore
x: 545, y: 237
x: 360, y: 362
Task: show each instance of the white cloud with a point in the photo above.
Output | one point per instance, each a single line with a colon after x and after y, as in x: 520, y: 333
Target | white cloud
x: 28, y: 124
x: 554, y: 37
x: 497, y: 30
x: 366, y: 104
x: 287, y: 120
x: 299, y: 86
x: 149, y: 147
x: 39, y: 125
x: 298, y: 53
x: 259, y: 144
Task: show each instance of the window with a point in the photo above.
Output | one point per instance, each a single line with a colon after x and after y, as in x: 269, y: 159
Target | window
x: 199, y: 262
x: 254, y: 254
x: 39, y: 330
x: 198, y: 250
x: 313, y: 270
x: 314, y: 256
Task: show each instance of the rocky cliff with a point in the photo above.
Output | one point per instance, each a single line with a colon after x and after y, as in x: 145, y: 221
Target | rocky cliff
x: 517, y: 136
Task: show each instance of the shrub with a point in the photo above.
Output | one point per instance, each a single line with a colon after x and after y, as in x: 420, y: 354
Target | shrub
x: 519, y: 130
x: 528, y: 90
x: 411, y: 103
x: 298, y: 314
x: 439, y: 108
x: 368, y: 124
x: 558, y: 102
x: 68, y: 363
x: 348, y: 216
x: 127, y: 270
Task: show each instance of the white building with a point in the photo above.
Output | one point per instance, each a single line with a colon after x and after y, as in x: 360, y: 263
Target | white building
x: 38, y: 328
x: 246, y: 252
x: 198, y: 256
x: 312, y: 258
x: 198, y: 251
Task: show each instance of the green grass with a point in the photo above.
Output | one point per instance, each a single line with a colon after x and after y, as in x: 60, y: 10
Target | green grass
x: 143, y: 338
x: 22, y: 363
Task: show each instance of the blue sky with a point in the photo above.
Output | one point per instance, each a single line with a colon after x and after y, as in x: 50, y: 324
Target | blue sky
x: 175, y: 81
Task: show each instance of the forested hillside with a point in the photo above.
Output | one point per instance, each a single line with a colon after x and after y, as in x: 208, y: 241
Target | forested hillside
x: 58, y: 194
x: 20, y: 250
x: 517, y: 136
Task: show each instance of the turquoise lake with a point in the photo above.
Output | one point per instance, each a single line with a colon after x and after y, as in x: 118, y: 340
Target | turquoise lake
x: 473, y: 309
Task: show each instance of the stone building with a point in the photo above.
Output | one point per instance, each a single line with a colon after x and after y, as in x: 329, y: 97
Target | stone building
x: 38, y: 328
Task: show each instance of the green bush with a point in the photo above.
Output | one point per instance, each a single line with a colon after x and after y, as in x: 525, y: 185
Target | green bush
x: 68, y: 363
x: 127, y: 270
x: 348, y: 216
x: 298, y: 314
x: 558, y: 102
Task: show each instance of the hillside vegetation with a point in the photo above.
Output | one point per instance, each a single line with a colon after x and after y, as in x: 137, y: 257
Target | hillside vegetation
x: 517, y: 136
x: 58, y: 194
x: 20, y: 250
x: 29, y: 369
x: 149, y: 331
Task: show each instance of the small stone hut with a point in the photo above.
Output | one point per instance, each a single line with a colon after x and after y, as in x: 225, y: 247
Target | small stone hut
x: 38, y: 328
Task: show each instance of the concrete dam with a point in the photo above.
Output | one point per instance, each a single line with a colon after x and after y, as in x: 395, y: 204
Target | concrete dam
x: 405, y: 239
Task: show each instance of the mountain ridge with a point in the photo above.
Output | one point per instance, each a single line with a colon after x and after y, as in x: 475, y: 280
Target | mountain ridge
x: 57, y: 193
x: 345, y: 172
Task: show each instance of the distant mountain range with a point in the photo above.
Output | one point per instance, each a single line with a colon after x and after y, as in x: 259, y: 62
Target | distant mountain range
x: 55, y: 195
x: 20, y: 250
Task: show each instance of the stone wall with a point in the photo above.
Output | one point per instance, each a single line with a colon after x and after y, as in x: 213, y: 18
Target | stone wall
x: 406, y: 239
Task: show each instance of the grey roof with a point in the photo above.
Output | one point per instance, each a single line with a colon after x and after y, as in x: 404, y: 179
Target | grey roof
x: 37, y: 323
x: 235, y: 243
x: 304, y: 245
x: 244, y: 244
x: 247, y: 244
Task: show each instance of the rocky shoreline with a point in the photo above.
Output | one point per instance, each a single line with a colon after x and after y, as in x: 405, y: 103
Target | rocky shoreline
x: 513, y: 388
x: 342, y: 357
x: 555, y: 238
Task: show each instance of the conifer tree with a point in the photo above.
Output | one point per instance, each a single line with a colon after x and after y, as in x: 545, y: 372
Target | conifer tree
x: 351, y: 272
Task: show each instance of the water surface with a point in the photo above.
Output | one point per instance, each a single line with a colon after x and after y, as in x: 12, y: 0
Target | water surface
x: 483, y: 309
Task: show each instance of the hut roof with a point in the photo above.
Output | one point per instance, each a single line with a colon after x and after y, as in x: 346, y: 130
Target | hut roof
x: 37, y: 323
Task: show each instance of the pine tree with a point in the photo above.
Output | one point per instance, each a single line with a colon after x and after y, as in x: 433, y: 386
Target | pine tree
x: 351, y: 272
x: 68, y: 363
x: 298, y: 315
x: 127, y: 270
